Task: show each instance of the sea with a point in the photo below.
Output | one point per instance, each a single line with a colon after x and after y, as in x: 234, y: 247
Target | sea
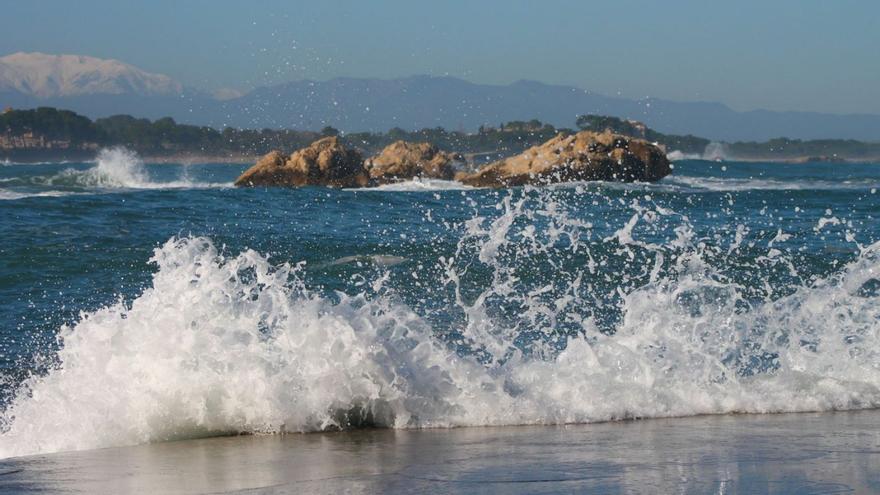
x: 144, y: 303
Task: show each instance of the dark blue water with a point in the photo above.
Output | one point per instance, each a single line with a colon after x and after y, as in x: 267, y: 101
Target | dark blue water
x: 724, y: 287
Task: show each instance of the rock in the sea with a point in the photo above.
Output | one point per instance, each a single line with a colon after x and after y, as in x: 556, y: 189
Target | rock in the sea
x: 326, y: 162
x: 403, y: 160
x: 583, y: 156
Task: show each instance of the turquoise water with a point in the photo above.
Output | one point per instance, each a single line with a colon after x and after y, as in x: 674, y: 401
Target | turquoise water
x: 144, y: 302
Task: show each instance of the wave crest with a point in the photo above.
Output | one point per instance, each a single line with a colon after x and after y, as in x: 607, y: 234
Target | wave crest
x: 225, y: 344
x: 115, y: 168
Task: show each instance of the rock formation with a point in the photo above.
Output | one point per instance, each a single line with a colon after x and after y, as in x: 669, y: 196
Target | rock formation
x: 326, y: 162
x: 583, y: 156
x: 402, y: 160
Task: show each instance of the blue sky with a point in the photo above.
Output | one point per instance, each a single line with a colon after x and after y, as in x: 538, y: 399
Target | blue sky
x: 780, y: 55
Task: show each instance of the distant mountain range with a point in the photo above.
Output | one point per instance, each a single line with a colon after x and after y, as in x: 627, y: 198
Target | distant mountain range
x: 99, y: 88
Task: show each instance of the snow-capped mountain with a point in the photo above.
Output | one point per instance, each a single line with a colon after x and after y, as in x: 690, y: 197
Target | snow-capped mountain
x: 44, y: 76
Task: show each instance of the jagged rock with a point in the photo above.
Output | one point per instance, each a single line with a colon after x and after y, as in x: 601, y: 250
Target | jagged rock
x: 583, y: 156
x: 402, y: 160
x: 326, y: 162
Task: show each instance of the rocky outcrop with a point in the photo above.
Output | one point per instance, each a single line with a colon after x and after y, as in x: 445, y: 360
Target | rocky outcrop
x: 326, y: 162
x: 583, y: 156
x: 402, y: 160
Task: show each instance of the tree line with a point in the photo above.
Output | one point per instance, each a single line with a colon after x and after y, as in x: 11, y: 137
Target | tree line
x: 165, y: 136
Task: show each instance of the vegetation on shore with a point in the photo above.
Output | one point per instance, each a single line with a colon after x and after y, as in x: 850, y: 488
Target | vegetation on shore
x: 167, y: 137
x: 685, y: 144
x: 48, y: 129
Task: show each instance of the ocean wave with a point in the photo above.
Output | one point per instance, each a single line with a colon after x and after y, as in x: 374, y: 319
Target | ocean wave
x: 419, y: 184
x: 679, y: 183
x: 231, y: 343
x: 724, y: 184
x: 122, y: 168
x: 114, y: 169
x: 6, y: 195
x: 49, y: 162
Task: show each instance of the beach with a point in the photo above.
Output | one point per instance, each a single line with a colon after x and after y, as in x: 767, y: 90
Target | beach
x: 808, y: 453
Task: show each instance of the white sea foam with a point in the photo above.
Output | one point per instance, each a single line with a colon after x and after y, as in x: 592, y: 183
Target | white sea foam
x: 676, y: 155
x: 6, y: 195
x: 234, y: 344
x: 714, y: 151
x: 419, y: 184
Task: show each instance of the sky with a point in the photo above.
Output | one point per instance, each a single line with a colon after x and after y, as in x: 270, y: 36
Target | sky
x: 774, y: 54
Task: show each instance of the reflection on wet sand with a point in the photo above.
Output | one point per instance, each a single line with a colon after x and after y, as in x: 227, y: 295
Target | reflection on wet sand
x: 791, y: 453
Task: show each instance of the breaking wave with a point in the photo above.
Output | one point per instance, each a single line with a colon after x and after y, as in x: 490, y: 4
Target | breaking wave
x: 714, y: 151
x: 421, y: 184
x: 114, y: 169
x: 534, y: 320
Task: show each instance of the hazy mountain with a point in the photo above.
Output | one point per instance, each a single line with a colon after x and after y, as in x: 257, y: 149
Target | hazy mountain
x: 422, y: 101
x: 51, y: 76
x: 98, y: 88
x: 413, y: 102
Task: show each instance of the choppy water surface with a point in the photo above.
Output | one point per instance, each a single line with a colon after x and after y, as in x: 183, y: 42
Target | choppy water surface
x: 142, y: 303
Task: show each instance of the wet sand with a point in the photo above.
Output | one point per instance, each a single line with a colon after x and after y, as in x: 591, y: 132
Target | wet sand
x: 784, y: 453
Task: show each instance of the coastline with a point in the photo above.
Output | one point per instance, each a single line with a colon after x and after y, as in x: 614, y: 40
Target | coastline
x: 740, y: 453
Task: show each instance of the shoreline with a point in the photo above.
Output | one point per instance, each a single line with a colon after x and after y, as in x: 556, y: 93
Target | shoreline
x: 793, y: 452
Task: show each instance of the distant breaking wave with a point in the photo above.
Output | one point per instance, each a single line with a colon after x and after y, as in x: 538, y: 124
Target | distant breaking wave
x: 114, y: 169
x: 713, y: 151
x: 119, y: 168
